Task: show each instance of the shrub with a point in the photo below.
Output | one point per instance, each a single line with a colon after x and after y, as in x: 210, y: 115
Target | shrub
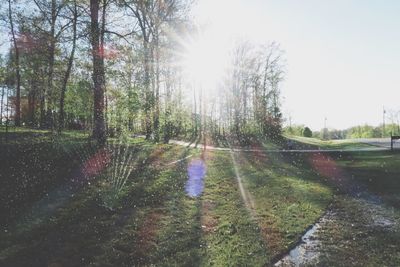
x: 307, y: 132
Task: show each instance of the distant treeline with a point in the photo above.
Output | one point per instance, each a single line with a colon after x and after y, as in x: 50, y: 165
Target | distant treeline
x: 360, y: 131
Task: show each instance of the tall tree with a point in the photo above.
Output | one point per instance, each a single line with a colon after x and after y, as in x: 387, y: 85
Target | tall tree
x: 69, y: 66
x: 2, y: 86
x: 51, y: 22
x: 16, y: 65
x: 140, y: 10
x: 154, y: 19
x: 99, y: 133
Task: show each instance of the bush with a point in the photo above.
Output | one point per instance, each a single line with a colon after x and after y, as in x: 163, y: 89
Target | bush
x: 307, y: 132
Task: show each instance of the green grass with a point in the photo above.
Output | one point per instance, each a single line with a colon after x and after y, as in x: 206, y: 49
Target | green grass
x: 288, y: 197
x: 81, y: 228
x: 357, y: 234
x: 214, y: 229
x: 378, y: 171
x: 152, y: 221
x: 314, y: 143
x: 232, y: 238
x: 356, y: 238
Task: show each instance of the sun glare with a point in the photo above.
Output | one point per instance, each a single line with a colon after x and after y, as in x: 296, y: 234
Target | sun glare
x: 204, y: 63
x: 205, y: 57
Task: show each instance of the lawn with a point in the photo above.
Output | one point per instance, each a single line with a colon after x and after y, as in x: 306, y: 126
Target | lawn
x: 365, y: 229
x: 314, y: 143
x: 66, y: 202
x: 54, y: 213
x: 288, y: 197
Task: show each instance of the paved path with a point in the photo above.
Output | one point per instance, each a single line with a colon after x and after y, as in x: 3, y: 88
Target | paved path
x: 193, y: 145
x: 377, y: 144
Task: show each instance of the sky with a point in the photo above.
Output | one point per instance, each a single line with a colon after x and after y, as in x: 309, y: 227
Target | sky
x: 343, y: 56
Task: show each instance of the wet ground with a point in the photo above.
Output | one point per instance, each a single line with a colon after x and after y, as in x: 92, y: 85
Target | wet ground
x: 358, y: 229
x: 354, y: 232
x: 307, y: 250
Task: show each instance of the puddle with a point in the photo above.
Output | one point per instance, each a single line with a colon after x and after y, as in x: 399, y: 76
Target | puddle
x: 383, y: 222
x: 307, y: 251
x: 373, y: 209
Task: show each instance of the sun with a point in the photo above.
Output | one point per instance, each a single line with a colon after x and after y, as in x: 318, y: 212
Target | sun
x: 205, y: 58
x: 204, y: 62
x: 196, y: 61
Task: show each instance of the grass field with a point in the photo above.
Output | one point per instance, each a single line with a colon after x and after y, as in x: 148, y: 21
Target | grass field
x: 365, y: 229
x: 314, y: 143
x: 60, y: 205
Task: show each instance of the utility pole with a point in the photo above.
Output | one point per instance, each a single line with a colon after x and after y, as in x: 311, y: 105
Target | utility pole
x: 398, y: 124
x: 325, y: 130
x: 383, y: 125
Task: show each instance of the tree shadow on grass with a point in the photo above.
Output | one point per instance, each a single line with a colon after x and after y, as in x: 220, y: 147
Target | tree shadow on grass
x: 167, y: 230
x: 78, y: 231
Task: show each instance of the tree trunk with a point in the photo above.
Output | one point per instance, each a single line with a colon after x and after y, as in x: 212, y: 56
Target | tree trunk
x: 31, y: 103
x: 148, y: 93
x: 68, y: 72
x: 17, y: 69
x: 1, y: 107
x: 168, y: 112
x: 103, y: 30
x: 98, y: 75
x: 42, y: 109
x: 157, y: 93
x: 195, y: 114
x: 51, y: 56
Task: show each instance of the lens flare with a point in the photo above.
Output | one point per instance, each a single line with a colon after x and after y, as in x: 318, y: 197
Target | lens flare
x: 196, y: 172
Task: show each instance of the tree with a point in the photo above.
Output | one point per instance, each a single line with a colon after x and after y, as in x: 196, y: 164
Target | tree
x: 2, y: 86
x: 307, y: 132
x: 51, y: 21
x: 69, y: 66
x: 16, y: 66
x: 141, y: 10
x: 98, y: 75
x: 152, y: 17
x: 251, y: 93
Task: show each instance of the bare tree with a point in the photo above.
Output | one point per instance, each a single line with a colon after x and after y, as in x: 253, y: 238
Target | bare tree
x: 252, y: 89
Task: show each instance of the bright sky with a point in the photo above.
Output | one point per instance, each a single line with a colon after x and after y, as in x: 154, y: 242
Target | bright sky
x: 343, y: 56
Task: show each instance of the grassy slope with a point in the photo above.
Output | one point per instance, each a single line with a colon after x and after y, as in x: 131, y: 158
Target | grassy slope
x: 288, y: 197
x: 314, y: 143
x: 81, y: 228
x: 284, y: 185
x: 379, y: 171
x: 155, y: 222
x: 366, y: 230
x: 152, y: 221
x: 231, y: 236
